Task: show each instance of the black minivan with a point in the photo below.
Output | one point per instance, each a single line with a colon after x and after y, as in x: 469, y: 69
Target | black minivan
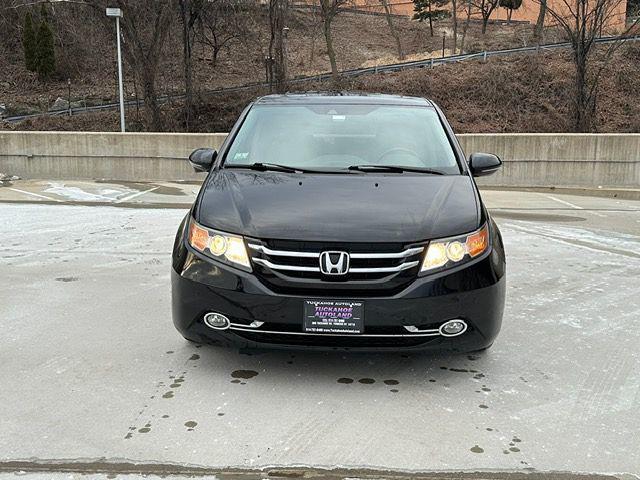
x: 340, y: 221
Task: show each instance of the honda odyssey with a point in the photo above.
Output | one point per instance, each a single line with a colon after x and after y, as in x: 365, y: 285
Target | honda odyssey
x: 340, y: 221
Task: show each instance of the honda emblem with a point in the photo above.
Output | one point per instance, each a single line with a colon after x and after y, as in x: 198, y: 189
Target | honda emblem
x: 334, y: 263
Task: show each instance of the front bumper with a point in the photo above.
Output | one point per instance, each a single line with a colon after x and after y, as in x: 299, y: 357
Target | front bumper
x: 474, y: 293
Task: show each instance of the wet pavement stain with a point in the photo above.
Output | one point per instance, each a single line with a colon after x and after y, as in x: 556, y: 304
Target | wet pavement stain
x: 514, y: 449
x: 391, y: 382
x: 394, y: 390
x: 168, y: 394
x: 477, y: 449
x: 482, y: 405
x: 345, y: 380
x: 145, y: 429
x: 67, y: 279
x: 195, y: 356
x: 235, y: 381
x: 190, y: 425
x: 165, y: 416
x: 367, y: 381
x: 246, y: 374
x: 460, y: 370
x: 221, y: 414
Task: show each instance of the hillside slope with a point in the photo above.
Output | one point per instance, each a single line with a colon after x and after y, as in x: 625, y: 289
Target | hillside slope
x: 531, y: 93
x: 85, y: 49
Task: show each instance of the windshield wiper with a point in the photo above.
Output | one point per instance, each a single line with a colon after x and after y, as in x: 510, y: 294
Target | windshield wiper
x: 263, y: 167
x: 393, y: 169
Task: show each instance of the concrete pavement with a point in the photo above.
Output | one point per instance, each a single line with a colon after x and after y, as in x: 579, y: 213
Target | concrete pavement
x: 95, y: 374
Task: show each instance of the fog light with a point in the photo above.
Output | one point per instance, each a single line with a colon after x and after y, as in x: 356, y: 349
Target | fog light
x: 453, y: 328
x: 216, y: 321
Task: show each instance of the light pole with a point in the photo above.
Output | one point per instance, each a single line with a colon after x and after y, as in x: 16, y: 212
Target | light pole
x: 117, y: 13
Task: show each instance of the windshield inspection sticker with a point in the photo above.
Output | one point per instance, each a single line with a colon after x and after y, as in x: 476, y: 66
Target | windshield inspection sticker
x: 241, y: 155
x: 333, y: 316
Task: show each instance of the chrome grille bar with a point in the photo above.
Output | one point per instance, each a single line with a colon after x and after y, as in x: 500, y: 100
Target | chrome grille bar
x: 406, y: 253
x: 397, y: 268
x: 282, y: 253
x: 293, y: 268
x: 296, y: 268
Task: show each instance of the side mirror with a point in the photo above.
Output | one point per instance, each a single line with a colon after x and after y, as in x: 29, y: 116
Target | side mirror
x: 202, y: 159
x: 482, y: 164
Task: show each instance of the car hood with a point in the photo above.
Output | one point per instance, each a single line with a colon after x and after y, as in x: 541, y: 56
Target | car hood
x: 368, y: 207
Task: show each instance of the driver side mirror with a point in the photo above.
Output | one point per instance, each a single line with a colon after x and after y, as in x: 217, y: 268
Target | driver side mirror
x: 482, y: 164
x: 202, y: 159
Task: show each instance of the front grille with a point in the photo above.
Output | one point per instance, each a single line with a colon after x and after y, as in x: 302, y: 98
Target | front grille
x: 374, y: 269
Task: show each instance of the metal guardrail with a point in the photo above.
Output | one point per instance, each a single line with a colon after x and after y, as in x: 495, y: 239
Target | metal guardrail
x: 392, y: 67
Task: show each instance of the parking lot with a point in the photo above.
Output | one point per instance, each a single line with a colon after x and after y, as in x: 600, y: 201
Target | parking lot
x: 95, y: 374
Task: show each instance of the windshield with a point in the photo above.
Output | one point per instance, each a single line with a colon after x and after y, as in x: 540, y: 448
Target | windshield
x: 340, y: 136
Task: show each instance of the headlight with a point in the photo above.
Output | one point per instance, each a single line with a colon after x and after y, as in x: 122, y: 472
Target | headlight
x: 447, y: 253
x: 221, y: 246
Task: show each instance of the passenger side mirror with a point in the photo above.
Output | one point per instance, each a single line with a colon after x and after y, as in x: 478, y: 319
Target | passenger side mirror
x: 202, y: 159
x: 482, y: 164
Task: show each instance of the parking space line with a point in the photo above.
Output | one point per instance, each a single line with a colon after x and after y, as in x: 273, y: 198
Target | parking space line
x: 134, y: 195
x: 573, y: 205
x: 564, y: 202
x: 36, y: 195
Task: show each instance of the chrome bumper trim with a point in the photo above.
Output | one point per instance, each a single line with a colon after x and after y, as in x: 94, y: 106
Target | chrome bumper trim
x: 243, y: 328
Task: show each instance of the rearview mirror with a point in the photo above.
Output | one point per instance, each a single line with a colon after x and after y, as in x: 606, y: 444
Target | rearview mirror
x: 202, y: 159
x: 482, y: 164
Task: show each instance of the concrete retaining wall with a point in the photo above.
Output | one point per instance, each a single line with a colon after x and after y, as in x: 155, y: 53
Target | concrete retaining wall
x: 582, y: 160
x: 114, y: 156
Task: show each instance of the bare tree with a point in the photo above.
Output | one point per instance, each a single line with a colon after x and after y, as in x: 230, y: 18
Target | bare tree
x: 392, y: 27
x: 223, y: 23
x: 454, y: 24
x: 582, y: 22
x: 539, y: 27
x: 190, y: 12
x: 467, y: 10
x: 146, y: 27
x: 328, y: 11
x: 486, y: 8
x: 278, y: 10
